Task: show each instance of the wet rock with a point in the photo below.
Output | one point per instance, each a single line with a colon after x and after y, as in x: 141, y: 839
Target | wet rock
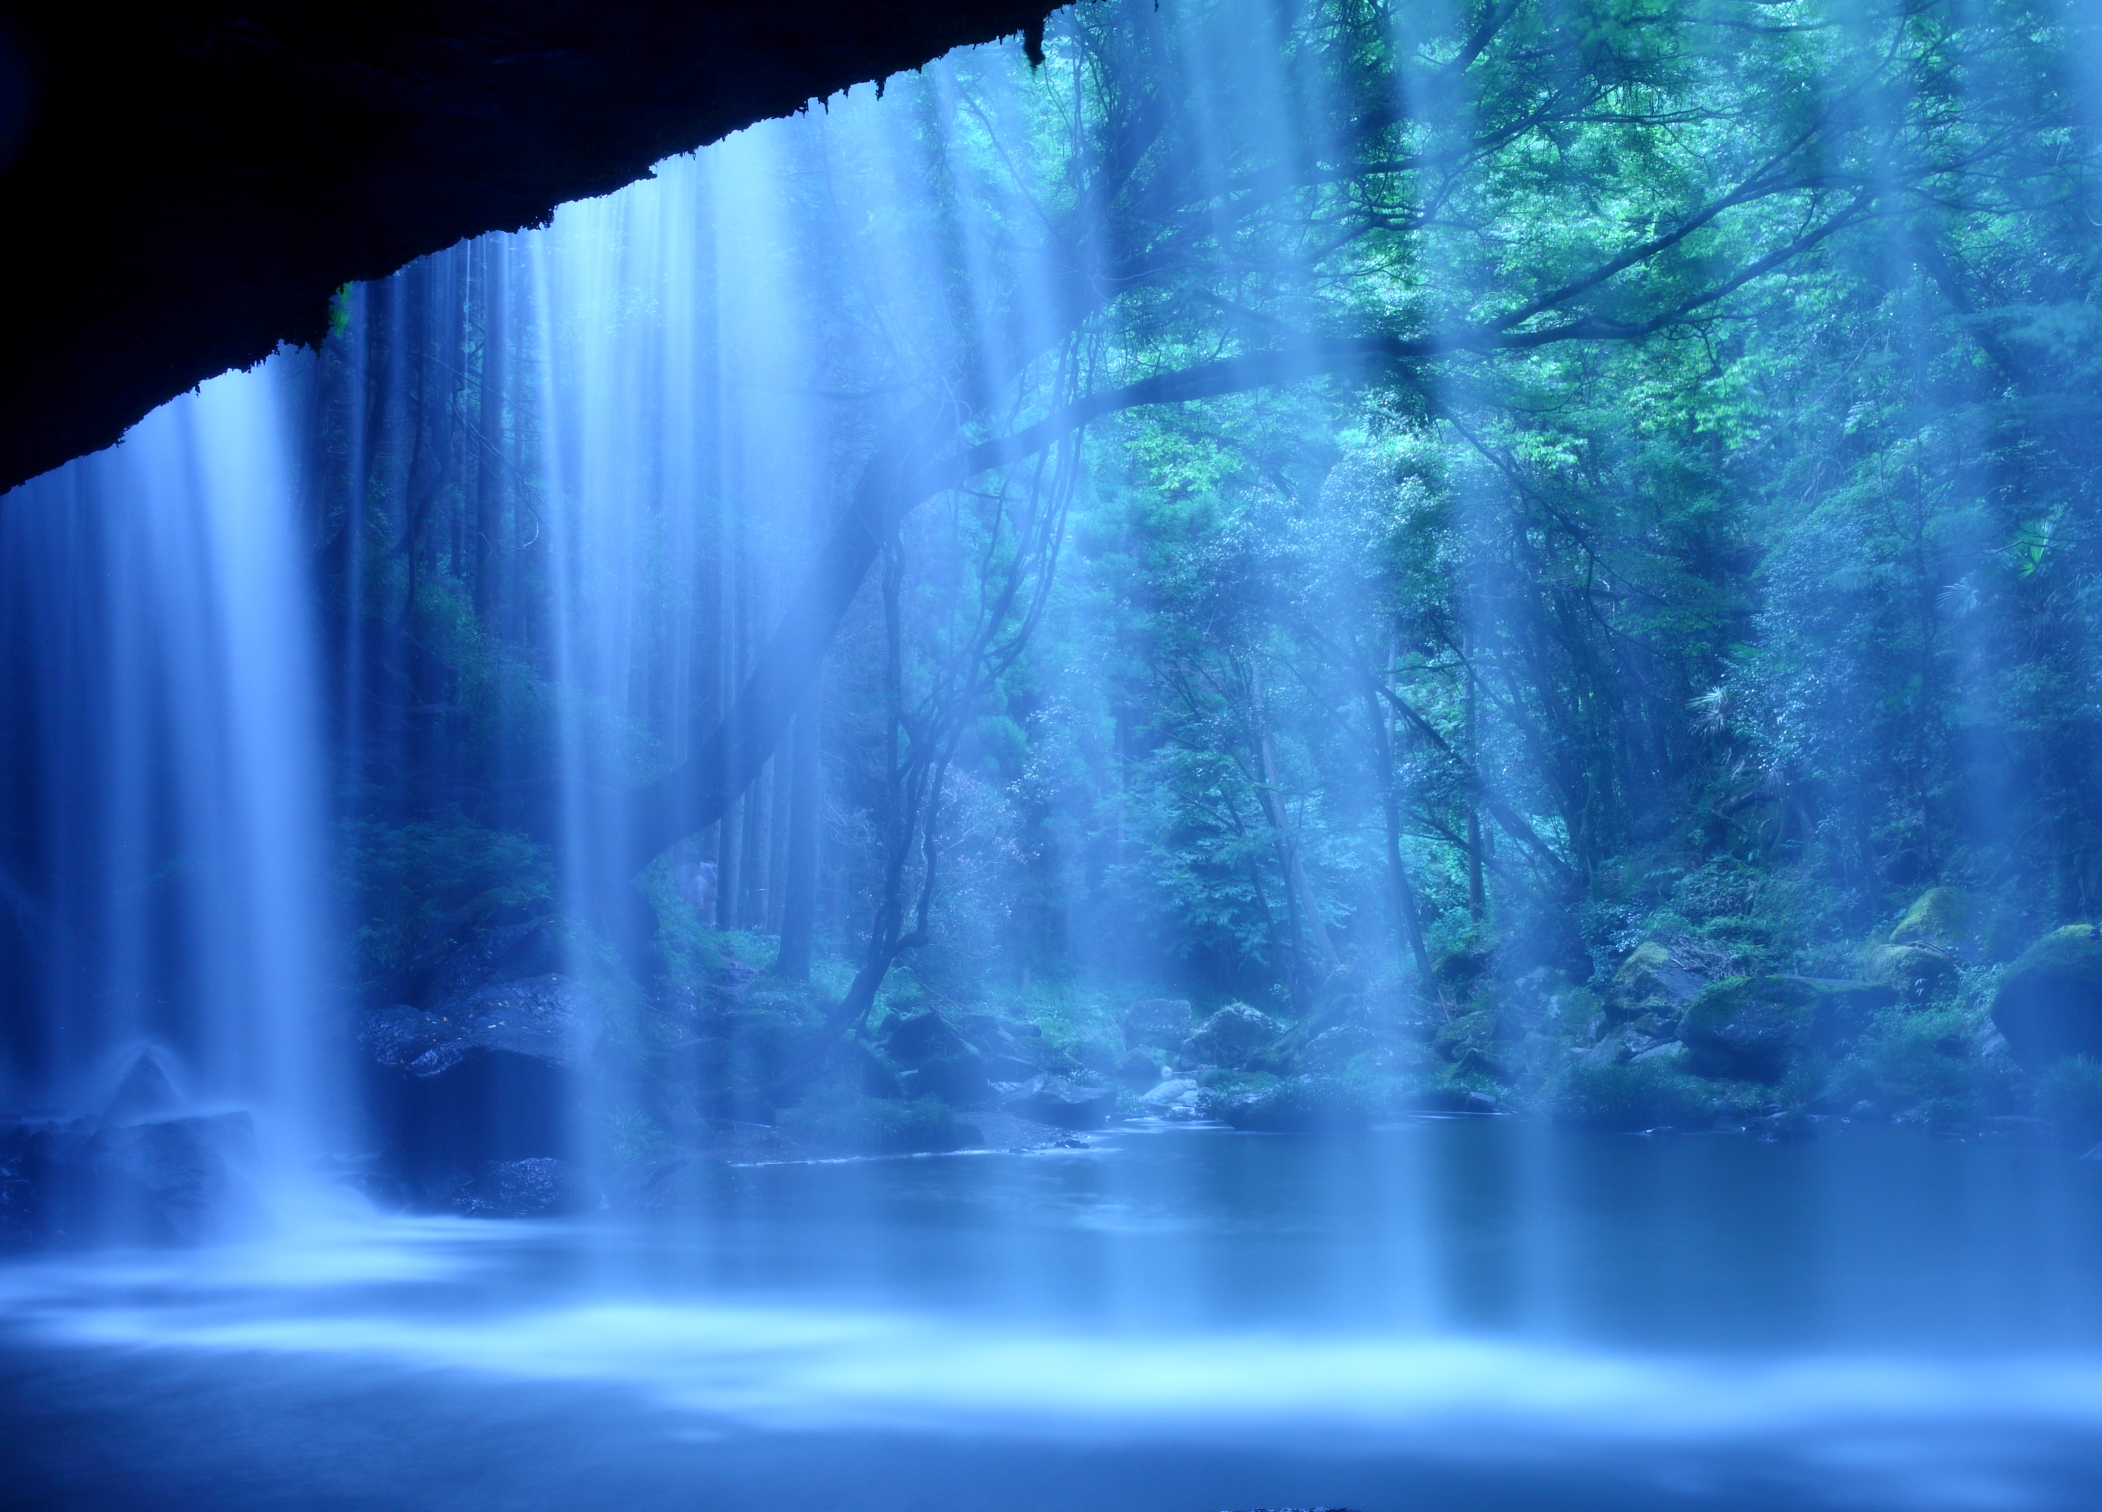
x: 539, y: 1187
x: 1450, y: 1097
x: 1939, y: 916
x: 144, y: 1091
x: 548, y: 1018
x: 936, y: 1061
x: 484, y: 1079
x: 1061, y: 1101
x: 507, y: 954
x: 1232, y: 1036
x: 1012, y: 1052
x: 1474, y: 1043
x: 1839, y: 1007
x: 1334, y: 1046
x: 2049, y: 1003
x: 1138, y: 1070
x: 172, y: 1181
x: 1750, y: 1028
x: 1157, y: 1021
x: 1652, y: 982
x: 1176, y: 1091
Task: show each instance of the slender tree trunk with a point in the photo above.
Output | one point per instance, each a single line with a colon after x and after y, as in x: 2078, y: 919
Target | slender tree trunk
x: 729, y: 872
x: 753, y: 914
x: 1310, y: 934
x: 1477, y: 894
x: 1408, y: 918
x: 799, y: 873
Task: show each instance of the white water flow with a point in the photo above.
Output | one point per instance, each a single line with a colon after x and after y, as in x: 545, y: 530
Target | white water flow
x: 678, y: 389
x: 169, y: 874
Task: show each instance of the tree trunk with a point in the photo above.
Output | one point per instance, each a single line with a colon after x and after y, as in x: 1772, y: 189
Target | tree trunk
x: 1408, y: 918
x: 799, y: 871
x: 1307, y: 927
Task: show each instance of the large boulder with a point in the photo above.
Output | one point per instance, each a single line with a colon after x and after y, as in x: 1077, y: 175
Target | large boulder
x: 537, y: 1187
x: 1177, y: 1097
x: 1013, y: 1051
x: 1746, y: 1028
x: 1958, y: 923
x: 1164, y: 1022
x: 1652, y: 983
x: 172, y: 1181
x: 547, y: 1018
x: 1139, y: 1070
x: 934, y: 1060
x: 1231, y: 1037
x: 1749, y: 1028
x: 1063, y: 1101
x: 1938, y: 916
x: 2049, y: 1004
x: 1917, y: 972
x: 487, y: 1077
x: 508, y: 953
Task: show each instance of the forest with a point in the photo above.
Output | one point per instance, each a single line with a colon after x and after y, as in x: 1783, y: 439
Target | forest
x: 1514, y: 556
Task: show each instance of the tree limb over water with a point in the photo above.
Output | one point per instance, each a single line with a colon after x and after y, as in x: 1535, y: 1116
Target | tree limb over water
x: 902, y: 476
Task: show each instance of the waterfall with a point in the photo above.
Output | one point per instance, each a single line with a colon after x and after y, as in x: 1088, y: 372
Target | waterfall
x: 1316, y: 752
x: 170, y: 933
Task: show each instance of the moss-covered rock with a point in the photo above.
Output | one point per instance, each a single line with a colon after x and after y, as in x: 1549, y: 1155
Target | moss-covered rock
x: 1958, y: 922
x: 1650, y: 983
x: 935, y: 1060
x: 1939, y: 916
x: 1231, y: 1037
x: 1748, y: 1028
x: 1917, y: 973
x: 1474, y: 1044
x: 2049, y: 1003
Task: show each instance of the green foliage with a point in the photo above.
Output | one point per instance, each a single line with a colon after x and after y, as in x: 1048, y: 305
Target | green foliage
x: 2069, y: 1096
x: 880, y: 1126
x: 1629, y: 1096
x: 1925, y: 1066
x: 405, y: 881
x: 1700, y: 576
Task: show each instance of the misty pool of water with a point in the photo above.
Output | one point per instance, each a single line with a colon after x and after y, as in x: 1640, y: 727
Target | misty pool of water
x: 1467, y: 1312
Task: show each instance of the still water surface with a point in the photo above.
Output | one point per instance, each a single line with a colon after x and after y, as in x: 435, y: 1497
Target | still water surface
x: 1479, y: 1313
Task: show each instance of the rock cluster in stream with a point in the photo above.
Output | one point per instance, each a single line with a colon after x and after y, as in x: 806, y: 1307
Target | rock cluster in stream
x: 137, y: 1172
x: 477, y: 1075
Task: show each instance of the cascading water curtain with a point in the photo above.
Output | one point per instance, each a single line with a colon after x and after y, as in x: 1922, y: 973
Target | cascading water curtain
x: 166, y: 874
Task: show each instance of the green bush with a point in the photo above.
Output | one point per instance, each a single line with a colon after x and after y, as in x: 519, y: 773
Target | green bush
x: 880, y: 1126
x: 405, y: 881
x: 1629, y: 1095
x: 2069, y: 1096
x: 1922, y: 1066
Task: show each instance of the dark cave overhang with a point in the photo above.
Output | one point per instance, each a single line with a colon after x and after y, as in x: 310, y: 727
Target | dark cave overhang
x: 184, y: 187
